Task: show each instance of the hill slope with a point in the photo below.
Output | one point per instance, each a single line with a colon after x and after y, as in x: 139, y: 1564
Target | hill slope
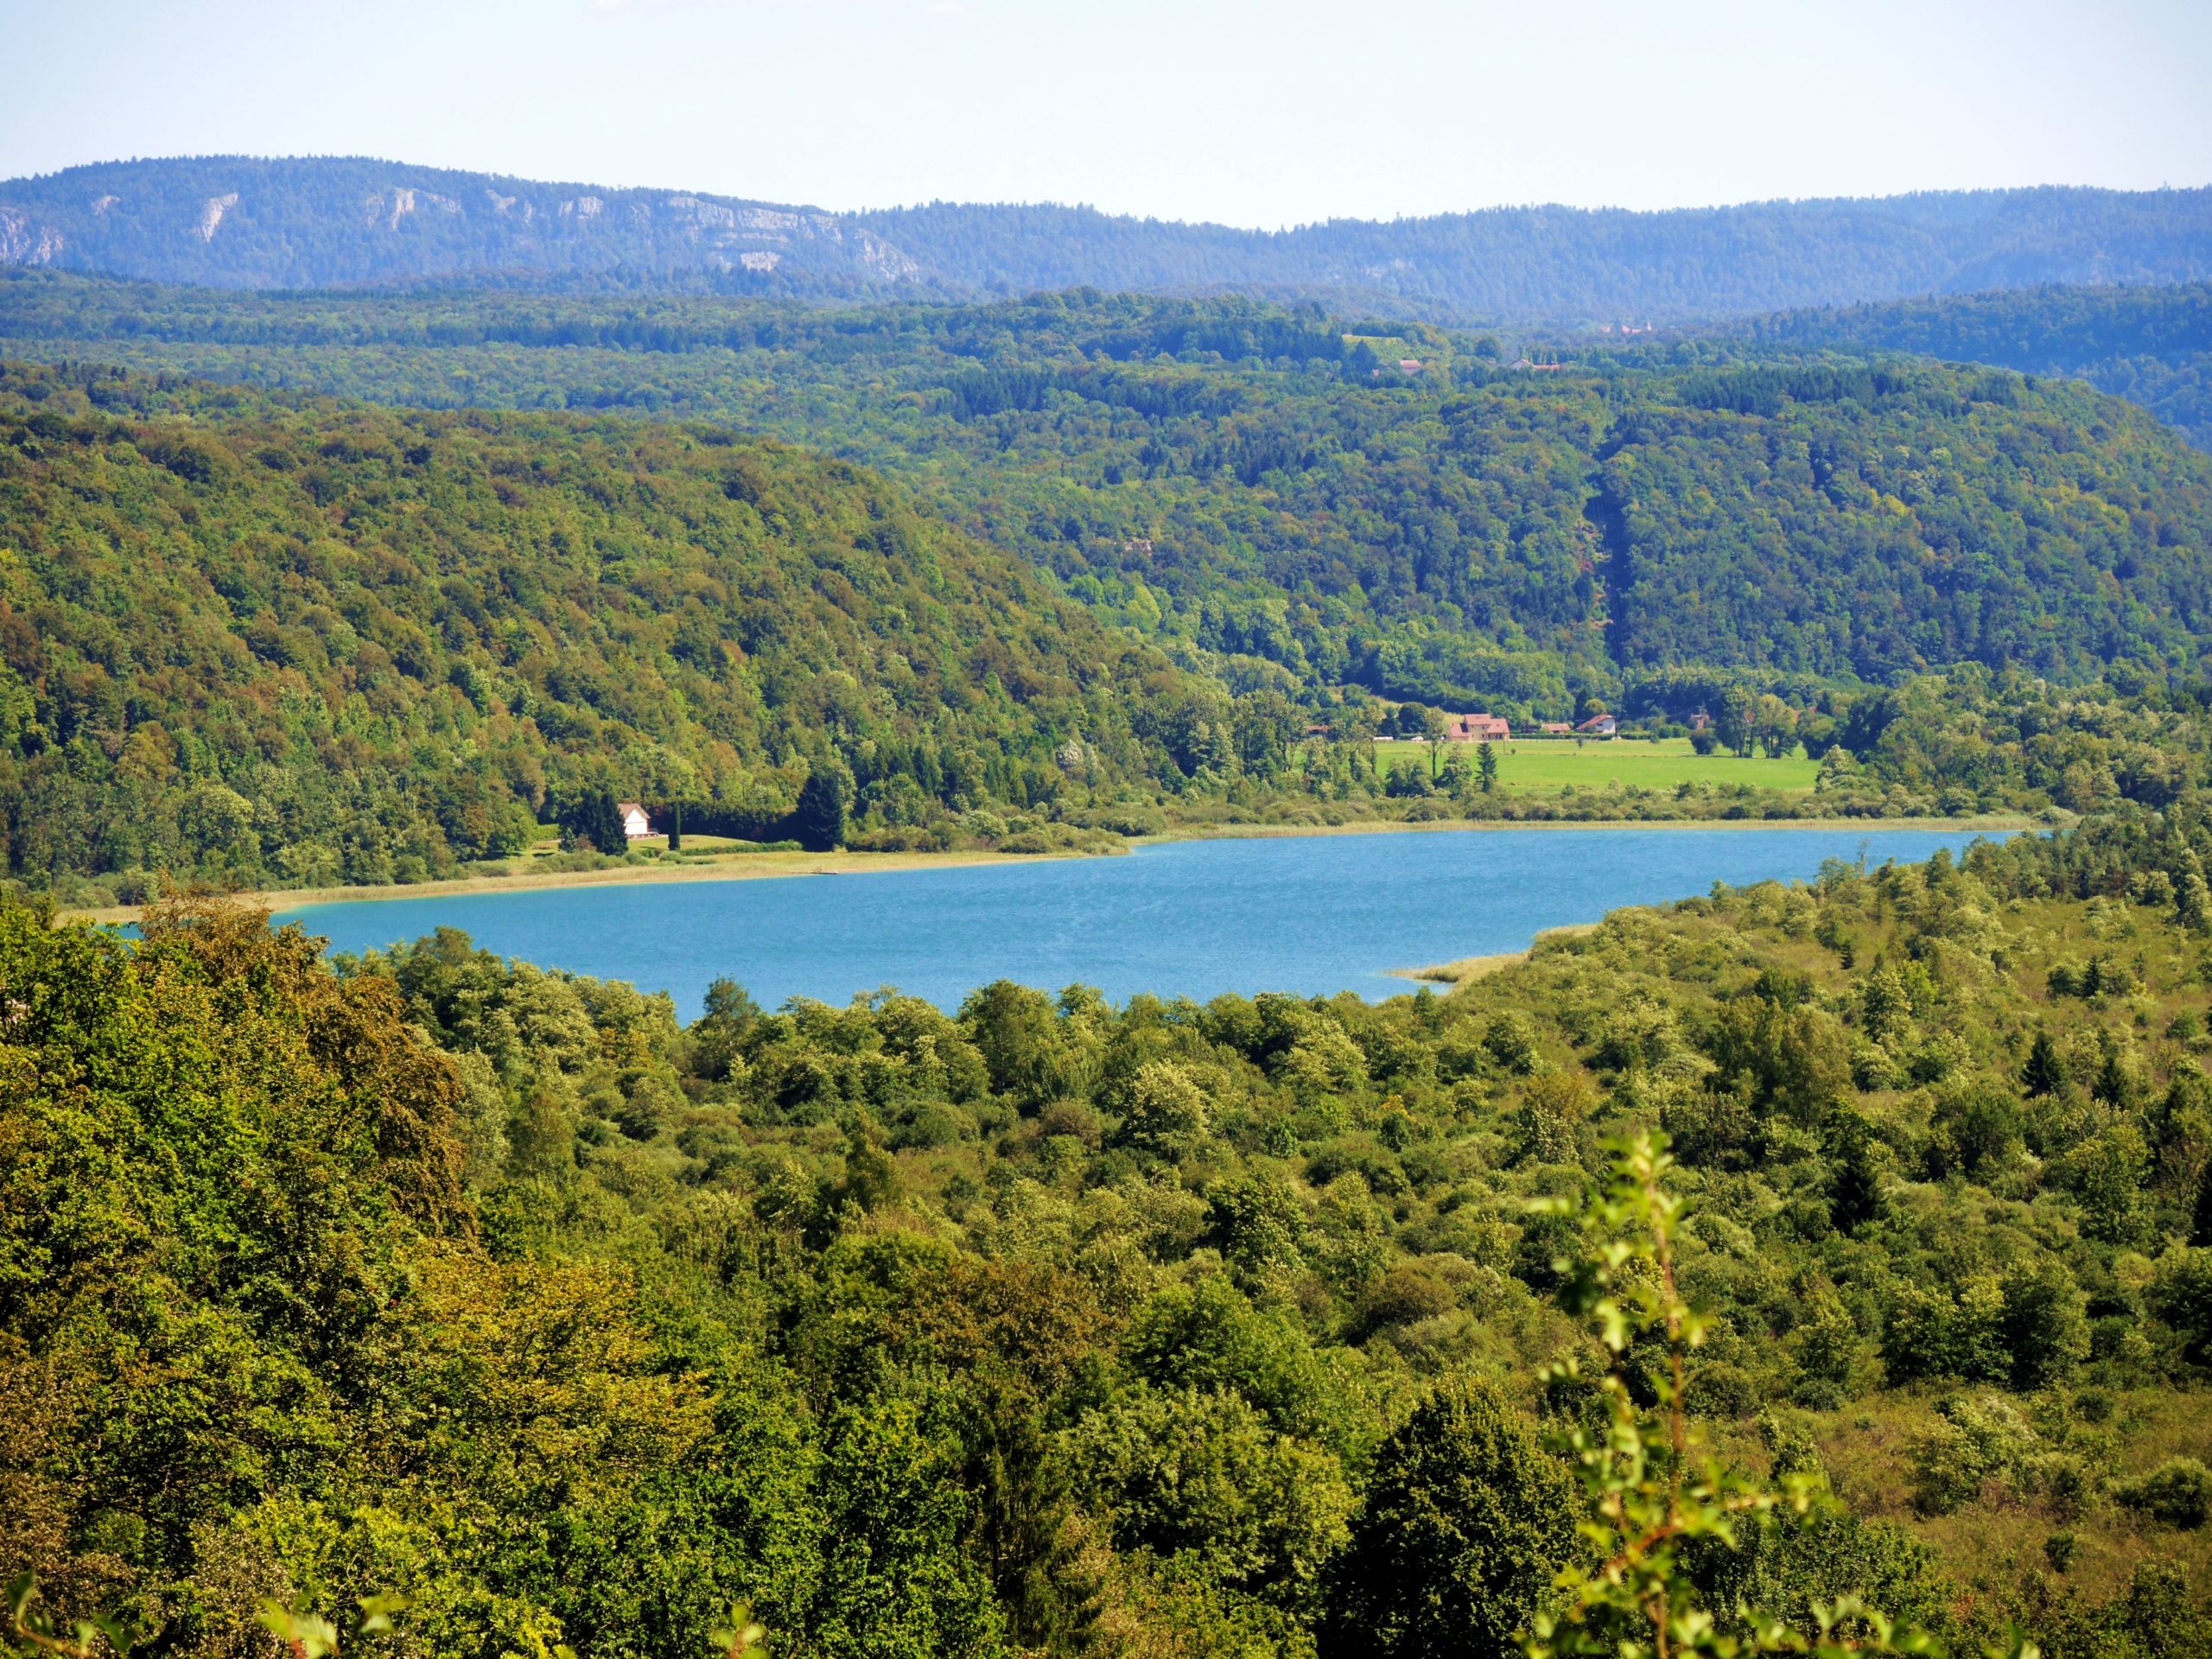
x: 274, y: 641
x: 1266, y: 482
x: 232, y: 221
x: 2150, y: 346
x: 1059, y: 1329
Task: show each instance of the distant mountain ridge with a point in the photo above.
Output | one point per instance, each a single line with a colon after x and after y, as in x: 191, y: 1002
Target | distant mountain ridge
x: 241, y: 222
x: 244, y: 222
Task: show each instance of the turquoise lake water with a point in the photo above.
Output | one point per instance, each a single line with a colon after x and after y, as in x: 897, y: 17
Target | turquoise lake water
x: 1309, y: 914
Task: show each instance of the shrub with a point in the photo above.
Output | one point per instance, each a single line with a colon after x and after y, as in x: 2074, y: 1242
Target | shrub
x: 1166, y: 1113
x: 1511, y: 1042
x: 2182, y: 1296
x: 1717, y: 1388
x: 1972, y: 1442
x: 2045, y: 1332
x: 1201, y: 1471
x: 1407, y: 1294
x: 2177, y: 1493
x: 1714, y: 1129
x: 1552, y: 1122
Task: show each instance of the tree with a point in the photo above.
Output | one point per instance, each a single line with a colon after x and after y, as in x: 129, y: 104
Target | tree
x: 1467, y: 1520
x: 1434, y: 729
x: 818, y: 820
x: 2192, y: 898
x: 1486, y: 767
x: 2181, y: 1294
x: 1854, y: 1185
x: 1200, y: 1471
x: 1775, y: 723
x: 1733, y: 726
x: 590, y: 820
x: 2045, y: 1072
x: 895, y: 1580
x: 1013, y: 1027
x: 1168, y: 1110
x: 2043, y: 1325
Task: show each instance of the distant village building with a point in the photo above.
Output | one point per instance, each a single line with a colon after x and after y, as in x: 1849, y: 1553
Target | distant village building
x: 1478, y: 728
x: 1556, y: 728
x: 1410, y: 365
x: 635, y: 824
x: 1599, y: 726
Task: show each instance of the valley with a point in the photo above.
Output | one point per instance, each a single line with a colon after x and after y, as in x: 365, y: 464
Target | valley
x: 713, y: 912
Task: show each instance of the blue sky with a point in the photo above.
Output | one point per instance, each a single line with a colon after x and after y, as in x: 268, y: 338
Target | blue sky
x: 1259, y: 112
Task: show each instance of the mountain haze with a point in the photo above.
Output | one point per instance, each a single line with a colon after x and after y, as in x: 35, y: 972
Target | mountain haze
x: 242, y: 222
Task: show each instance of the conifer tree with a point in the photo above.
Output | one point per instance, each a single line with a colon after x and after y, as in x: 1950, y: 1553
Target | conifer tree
x: 818, y: 821
x: 591, y: 819
x: 1854, y: 1185
x: 2044, y: 1073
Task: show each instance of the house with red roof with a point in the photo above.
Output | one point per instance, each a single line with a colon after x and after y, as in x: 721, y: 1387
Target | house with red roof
x: 1478, y: 728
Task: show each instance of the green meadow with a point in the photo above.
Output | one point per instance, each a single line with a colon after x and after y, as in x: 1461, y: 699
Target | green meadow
x: 1547, y: 767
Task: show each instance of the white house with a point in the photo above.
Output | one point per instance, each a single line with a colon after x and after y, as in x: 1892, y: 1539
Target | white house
x: 634, y: 822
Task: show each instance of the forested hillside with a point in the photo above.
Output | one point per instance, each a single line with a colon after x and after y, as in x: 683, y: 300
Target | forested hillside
x: 2150, y: 346
x: 244, y: 222
x: 1275, y: 483
x: 298, y: 641
x: 1603, y: 266
x: 1050, y: 1327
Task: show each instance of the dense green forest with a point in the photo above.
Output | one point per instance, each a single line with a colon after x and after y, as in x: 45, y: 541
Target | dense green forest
x: 270, y: 639
x: 313, y: 644
x: 1272, y: 483
x: 1052, y: 1327
x: 249, y: 222
x: 500, y: 1305
x: 2150, y: 346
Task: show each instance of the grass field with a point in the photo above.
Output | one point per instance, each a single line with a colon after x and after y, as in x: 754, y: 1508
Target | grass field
x: 548, y: 844
x: 1545, y: 768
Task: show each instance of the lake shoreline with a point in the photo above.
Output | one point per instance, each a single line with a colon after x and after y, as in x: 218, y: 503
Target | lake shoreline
x: 753, y: 867
x: 1467, y: 969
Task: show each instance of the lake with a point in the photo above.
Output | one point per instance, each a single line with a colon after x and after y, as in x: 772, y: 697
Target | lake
x: 1311, y: 914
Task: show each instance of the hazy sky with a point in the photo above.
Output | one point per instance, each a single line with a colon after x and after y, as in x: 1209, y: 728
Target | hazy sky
x: 1249, y: 112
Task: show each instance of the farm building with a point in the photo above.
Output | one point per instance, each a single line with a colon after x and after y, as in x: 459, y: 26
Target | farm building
x: 1599, y: 726
x: 635, y: 824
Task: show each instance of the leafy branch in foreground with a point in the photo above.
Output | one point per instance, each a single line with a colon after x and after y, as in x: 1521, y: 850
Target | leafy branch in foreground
x: 39, y: 1634
x: 308, y: 1634
x: 743, y: 1634
x: 1651, y: 1487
